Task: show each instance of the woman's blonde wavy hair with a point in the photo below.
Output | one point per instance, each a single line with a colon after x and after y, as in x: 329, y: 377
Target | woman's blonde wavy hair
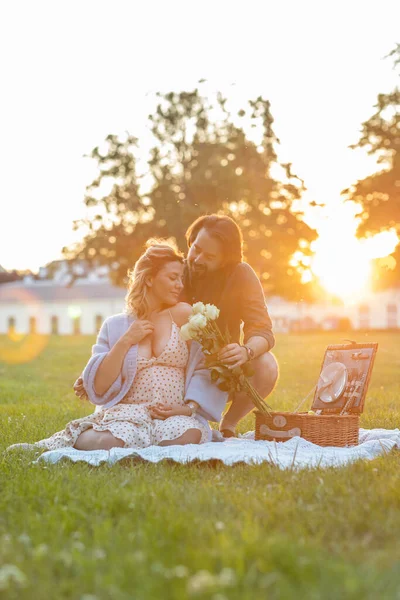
x: 158, y: 253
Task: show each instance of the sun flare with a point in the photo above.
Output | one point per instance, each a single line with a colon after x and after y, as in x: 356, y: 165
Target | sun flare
x: 342, y: 262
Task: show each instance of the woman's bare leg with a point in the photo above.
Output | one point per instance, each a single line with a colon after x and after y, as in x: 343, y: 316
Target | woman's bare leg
x: 191, y: 436
x: 97, y: 440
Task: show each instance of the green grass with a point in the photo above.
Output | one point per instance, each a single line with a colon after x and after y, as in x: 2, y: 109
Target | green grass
x: 168, y: 531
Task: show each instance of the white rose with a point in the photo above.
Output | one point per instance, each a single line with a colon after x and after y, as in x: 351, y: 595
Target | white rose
x: 198, y: 321
x: 187, y: 332
x: 198, y: 308
x: 211, y: 312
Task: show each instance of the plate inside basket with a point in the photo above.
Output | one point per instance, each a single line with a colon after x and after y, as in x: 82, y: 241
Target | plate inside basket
x: 344, y: 378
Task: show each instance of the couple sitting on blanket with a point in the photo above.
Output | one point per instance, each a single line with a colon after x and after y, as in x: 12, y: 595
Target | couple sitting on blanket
x: 150, y: 387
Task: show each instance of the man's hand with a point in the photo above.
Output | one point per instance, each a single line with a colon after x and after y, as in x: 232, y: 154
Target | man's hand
x: 80, y: 390
x: 163, y: 411
x: 233, y: 355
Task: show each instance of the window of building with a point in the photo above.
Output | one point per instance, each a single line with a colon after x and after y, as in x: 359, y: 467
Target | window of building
x: 76, y: 325
x: 99, y: 322
x: 32, y: 325
x: 54, y: 325
x: 392, y: 316
x: 11, y: 324
x: 364, y: 316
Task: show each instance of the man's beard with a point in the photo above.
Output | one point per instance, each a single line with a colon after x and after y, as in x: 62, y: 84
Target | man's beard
x: 197, y: 273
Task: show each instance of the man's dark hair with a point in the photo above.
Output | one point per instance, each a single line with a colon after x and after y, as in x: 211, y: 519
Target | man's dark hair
x: 222, y: 228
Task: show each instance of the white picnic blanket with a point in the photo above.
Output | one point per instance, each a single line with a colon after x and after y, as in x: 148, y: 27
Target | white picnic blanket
x: 296, y: 453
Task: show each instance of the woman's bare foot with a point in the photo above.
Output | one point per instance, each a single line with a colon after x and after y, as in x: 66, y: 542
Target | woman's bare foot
x: 191, y: 436
x: 23, y: 446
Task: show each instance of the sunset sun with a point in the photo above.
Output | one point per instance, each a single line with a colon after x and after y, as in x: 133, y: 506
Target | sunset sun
x: 342, y: 262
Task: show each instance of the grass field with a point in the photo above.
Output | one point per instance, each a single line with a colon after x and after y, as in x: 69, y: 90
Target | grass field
x: 171, y: 531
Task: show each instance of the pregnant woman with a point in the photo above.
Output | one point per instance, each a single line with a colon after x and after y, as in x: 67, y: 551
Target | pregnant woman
x: 138, y: 374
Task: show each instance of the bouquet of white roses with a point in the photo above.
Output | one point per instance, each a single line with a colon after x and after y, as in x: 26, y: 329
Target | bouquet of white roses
x: 202, y: 327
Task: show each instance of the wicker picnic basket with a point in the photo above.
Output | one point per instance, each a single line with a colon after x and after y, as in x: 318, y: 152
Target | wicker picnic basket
x: 324, y: 430
x: 335, y: 418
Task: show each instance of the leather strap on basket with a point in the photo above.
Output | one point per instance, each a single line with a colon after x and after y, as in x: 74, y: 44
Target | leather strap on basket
x: 304, y: 399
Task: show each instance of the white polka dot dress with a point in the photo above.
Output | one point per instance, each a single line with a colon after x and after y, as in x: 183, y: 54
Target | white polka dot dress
x: 158, y: 379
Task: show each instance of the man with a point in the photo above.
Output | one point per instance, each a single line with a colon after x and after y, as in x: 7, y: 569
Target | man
x: 216, y: 274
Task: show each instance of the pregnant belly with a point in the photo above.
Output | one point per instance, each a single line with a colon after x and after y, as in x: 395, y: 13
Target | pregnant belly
x: 157, y: 384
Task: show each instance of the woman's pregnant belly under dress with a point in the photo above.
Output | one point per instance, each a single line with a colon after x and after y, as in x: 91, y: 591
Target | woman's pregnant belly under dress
x: 158, y: 380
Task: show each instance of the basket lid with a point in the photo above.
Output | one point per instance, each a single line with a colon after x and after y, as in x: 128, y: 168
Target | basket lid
x: 344, y: 378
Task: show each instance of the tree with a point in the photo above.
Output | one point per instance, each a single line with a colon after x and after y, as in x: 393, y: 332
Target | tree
x: 117, y: 223
x: 10, y: 276
x: 203, y: 164
x: 205, y: 159
x: 379, y: 194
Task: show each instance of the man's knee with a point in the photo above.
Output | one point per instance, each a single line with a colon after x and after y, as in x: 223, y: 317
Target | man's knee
x: 266, y: 371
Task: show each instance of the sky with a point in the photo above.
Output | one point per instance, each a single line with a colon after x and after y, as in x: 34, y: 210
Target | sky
x: 73, y: 72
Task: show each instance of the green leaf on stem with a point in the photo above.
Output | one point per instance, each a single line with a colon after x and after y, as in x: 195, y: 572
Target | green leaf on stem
x: 214, y: 375
x: 224, y: 386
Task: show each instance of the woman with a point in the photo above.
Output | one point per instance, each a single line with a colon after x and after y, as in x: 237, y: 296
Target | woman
x: 136, y: 375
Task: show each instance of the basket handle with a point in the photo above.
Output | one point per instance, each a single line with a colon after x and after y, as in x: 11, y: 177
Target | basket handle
x: 284, y: 435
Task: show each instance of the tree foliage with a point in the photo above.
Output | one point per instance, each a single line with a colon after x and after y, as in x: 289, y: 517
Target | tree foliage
x: 379, y: 194
x: 205, y: 159
x: 118, y: 217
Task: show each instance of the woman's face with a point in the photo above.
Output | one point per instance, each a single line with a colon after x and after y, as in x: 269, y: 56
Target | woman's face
x: 167, y: 284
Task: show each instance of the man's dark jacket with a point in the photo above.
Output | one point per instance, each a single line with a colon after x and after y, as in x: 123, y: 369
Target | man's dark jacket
x: 237, y: 292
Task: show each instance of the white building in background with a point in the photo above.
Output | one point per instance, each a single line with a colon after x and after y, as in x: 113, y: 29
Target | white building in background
x: 377, y: 310
x: 58, y: 306
x: 62, y: 306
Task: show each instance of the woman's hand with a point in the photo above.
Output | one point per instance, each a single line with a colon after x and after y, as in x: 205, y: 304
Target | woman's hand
x: 233, y: 355
x: 80, y: 390
x: 138, y: 331
x: 110, y: 368
x: 163, y: 411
